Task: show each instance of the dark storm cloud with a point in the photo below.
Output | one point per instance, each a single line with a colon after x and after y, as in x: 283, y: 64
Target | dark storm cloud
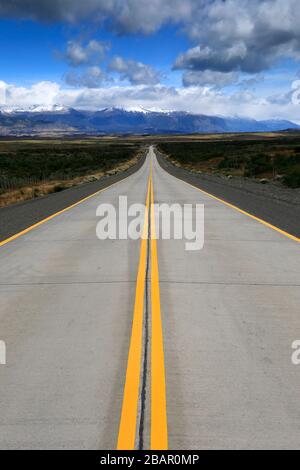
x: 226, y: 35
x: 242, y: 35
x: 126, y: 15
x: 52, y: 10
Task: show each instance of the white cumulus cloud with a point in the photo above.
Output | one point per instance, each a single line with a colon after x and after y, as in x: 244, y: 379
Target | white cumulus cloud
x: 209, y: 78
x: 199, y: 100
x: 92, y: 53
x: 92, y: 77
x: 135, y: 72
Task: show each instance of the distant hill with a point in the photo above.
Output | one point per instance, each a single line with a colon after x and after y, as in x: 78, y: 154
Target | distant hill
x: 41, y: 120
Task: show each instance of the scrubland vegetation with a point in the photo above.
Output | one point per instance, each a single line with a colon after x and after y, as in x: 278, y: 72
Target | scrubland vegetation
x: 31, y: 169
x: 271, y: 158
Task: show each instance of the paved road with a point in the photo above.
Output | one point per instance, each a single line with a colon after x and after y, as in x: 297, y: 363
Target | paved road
x: 230, y: 313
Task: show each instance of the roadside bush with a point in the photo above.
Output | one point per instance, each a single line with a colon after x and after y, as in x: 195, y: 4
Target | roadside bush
x: 292, y: 178
x: 249, y: 157
x: 58, y: 188
x: 38, y: 163
x: 258, y: 164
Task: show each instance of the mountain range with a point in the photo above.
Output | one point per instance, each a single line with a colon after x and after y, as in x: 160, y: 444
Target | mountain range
x: 51, y: 120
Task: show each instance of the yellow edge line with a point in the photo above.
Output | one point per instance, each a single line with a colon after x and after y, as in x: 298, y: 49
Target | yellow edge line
x: 127, y: 428
x: 41, y: 222
x: 267, y: 224
x: 159, y: 425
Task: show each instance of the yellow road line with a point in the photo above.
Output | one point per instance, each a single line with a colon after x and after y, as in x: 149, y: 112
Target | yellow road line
x: 129, y: 413
x: 159, y: 426
x: 127, y: 429
x: 41, y: 222
x: 232, y: 206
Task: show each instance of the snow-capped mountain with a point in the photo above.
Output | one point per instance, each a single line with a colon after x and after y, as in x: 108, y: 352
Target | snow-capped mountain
x: 37, y: 120
x: 52, y: 108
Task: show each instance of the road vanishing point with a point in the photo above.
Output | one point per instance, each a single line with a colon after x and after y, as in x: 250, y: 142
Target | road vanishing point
x: 140, y: 344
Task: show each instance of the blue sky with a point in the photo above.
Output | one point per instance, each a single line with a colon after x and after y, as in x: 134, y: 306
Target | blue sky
x: 31, y: 51
x: 232, y: 57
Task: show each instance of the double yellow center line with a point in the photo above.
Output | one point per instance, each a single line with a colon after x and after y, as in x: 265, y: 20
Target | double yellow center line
x: 129, y: 413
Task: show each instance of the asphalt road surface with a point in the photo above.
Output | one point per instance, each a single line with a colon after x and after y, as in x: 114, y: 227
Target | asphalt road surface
x: 140, y: 343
